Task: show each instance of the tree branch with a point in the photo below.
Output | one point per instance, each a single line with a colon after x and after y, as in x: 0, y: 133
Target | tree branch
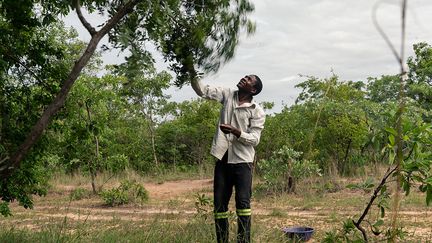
x: 86, y: 24
x: 127, y: 8
x: 372, y: 199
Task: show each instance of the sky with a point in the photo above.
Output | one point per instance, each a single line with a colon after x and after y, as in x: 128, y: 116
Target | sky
x: 313, y: 38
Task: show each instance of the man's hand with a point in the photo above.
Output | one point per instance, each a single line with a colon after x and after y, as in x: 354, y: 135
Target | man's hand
x: 227, y: 128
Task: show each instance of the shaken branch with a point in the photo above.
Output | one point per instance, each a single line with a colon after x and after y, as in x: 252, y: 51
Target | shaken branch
x: 383, y: 34
x: 86, y: 24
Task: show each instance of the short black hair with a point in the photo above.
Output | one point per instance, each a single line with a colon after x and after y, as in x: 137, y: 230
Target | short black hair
x: 258, y: 85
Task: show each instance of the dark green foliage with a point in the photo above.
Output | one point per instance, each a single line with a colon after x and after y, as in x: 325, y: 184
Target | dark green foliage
x: 4, y: 209
x: 31, y: 179
x: 189, y: 34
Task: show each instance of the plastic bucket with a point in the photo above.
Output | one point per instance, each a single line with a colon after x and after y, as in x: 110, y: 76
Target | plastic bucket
x: 299, y: 233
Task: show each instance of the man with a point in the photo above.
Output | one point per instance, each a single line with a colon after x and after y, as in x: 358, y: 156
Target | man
x: 240, y: 124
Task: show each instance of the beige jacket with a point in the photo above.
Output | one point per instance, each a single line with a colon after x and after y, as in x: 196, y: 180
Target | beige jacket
x: 249, y: 118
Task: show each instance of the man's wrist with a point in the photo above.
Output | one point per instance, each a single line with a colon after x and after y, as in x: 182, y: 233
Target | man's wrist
x: 236, y: 132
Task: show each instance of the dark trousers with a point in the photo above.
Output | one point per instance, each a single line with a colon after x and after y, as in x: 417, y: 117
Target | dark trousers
x: 227, y: 176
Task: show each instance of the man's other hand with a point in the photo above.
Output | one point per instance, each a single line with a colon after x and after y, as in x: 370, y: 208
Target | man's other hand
x: 227, y: 128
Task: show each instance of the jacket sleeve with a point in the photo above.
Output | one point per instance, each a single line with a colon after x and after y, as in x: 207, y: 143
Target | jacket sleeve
x: 252, y: 135
x: 209, y: 92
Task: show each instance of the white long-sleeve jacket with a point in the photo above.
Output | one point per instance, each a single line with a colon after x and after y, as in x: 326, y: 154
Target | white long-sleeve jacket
x: 248, y: 117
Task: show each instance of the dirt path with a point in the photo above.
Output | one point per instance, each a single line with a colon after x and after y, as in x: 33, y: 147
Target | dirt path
x: 172, y: 189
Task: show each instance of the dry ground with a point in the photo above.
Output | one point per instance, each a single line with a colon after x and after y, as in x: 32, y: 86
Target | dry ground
x: 177, y: 200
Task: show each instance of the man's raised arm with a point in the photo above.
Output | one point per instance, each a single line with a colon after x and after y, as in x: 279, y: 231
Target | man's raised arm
x: 196, y: 86
x: 208, y: 91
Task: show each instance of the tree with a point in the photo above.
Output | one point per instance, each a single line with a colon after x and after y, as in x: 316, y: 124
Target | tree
x: 188, y: 34
x: 420, y: 76
x: 145, y: 90
x: 93, y: 105
x: 32, y: 66
x: 337, y: 123
x: 186, y: 138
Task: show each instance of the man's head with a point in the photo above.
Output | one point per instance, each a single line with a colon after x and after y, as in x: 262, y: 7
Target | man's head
x: 250, y: 84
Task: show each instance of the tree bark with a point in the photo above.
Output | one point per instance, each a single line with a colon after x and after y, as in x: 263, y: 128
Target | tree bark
x: 93, y: 168
x: 92, y: 165
x: 151, y: 126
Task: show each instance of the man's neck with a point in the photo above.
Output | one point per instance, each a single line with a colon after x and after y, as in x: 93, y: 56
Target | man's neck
x: 244, y: 97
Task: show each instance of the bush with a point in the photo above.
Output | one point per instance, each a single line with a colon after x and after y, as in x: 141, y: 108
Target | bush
x: 127, y: 192
x: 117, y: 163
x: 284, y: 168
x: 4, y: 209
x: 79, y: 193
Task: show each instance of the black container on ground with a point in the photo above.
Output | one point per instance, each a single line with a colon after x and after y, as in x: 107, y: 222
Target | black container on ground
x: 299, y: 233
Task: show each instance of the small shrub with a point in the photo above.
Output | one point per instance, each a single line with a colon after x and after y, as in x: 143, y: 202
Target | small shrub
x: 329, y: 186
x: 366, y: 186
x: 78, y: 194
x: 285, y: 168
x: 127, y: 192
x: 203, y: 205
x: 4, y: 209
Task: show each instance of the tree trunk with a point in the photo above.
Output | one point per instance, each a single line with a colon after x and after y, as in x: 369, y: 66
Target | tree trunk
x: 291, y: 185
x: 152, y: 138
x: 93, y: 168
x: 347, y: 150
x: 93, y: 179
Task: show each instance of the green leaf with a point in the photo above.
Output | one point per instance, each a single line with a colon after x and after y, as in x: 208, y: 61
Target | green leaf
x: 391, y: 130
x: 391, y: 139
x: 406, y: 186
x: 382, y: 211
x: 378, y: 223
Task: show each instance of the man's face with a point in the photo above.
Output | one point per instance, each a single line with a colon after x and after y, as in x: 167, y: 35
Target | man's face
x: 247, y: 84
